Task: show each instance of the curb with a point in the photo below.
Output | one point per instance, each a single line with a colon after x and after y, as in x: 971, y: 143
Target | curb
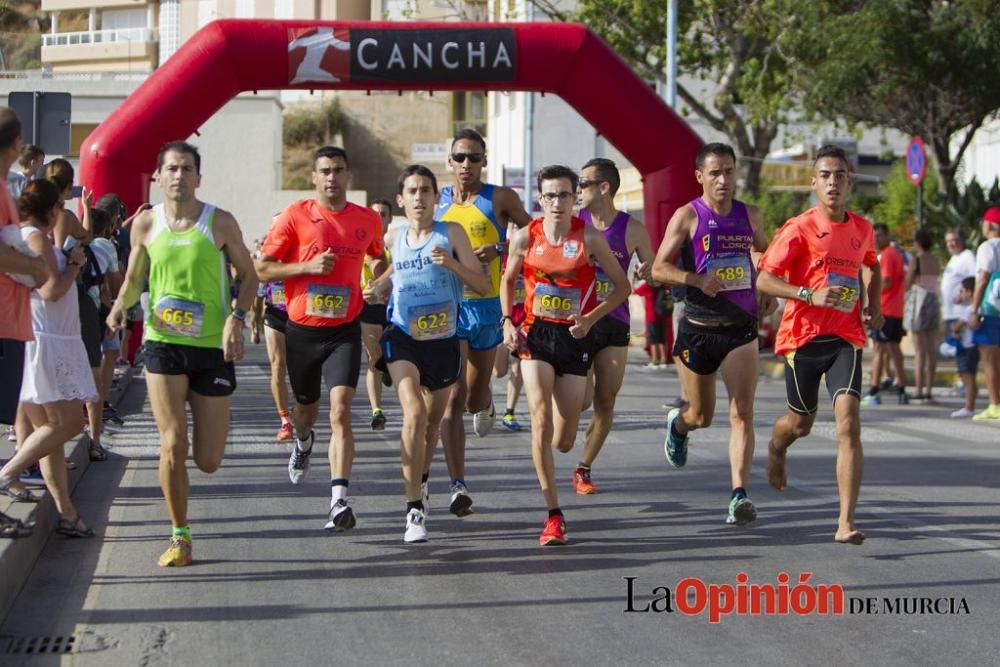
x: 18, y: 556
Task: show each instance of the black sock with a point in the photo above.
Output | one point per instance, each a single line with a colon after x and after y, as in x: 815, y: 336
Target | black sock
x: 585, y: 466
x: 339, y: 481
x: 873, y: 391
x: 556, y: 512
x: 740, y: 492
x: 509, y: 411
x: 414, y: 505
x: 424, y: 477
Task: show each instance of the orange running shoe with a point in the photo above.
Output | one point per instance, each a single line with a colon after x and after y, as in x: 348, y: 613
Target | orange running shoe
x: 285, y: 432
x: 554, y: 532
x: 582, y: 483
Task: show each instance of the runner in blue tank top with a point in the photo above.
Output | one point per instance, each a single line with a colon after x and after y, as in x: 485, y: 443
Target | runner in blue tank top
x: 484, y: 211
x: 430, y: 262
x: 720, y: 240
x: 599, y: 181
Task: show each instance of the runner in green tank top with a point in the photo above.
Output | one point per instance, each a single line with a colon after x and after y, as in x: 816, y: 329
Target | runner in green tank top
x: 192, y: 337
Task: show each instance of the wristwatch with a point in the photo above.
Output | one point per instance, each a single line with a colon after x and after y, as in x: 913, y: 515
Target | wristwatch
x: 240, y: 314
x: 805, y: 294
x: 500, y: 248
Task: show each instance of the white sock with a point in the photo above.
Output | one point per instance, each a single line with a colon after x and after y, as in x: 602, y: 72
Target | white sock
x: 299, y: 442
x: 336, y: 493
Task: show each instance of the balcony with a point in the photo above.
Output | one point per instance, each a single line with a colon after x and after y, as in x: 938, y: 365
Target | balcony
x: 124, y: 49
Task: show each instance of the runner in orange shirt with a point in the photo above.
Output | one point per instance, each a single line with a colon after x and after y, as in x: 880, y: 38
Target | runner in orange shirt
x: 556, y: 255
x: 886, y: 339
x: 318, y: 247
x: 823, y: 262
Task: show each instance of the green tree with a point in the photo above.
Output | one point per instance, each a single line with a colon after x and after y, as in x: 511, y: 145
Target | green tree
x: 733, y: 43
x: 924, y: 67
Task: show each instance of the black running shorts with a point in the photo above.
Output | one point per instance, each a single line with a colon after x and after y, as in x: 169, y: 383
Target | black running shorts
x: 374, y: 313
x: 11, y: 370
x: 610, y: 332
x: 891, y: 332
x: 90, y: 327
x: 438, y: 361
x: 316, y: 354
x: 553, y: 344
x: 208, y: 372
x: 275, y: 318
x: 826, y: 355
x: 702, y: 349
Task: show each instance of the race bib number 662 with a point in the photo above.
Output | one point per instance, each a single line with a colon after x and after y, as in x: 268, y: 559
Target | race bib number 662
x: 328, y: 301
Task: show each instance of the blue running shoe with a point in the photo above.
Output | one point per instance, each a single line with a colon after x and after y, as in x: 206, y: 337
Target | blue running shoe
x: 675, y: 447
x: 32, y: 476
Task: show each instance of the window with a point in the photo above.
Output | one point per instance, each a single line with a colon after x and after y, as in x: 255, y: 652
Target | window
x: 208, y: 11
x: 284, y: 9
x: 170, y: 28
x: 244, y: 9
x: 122, y: 19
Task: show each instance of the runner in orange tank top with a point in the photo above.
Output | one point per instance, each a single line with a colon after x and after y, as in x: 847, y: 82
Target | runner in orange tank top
x: 556, y: 254
x: 823, y: 262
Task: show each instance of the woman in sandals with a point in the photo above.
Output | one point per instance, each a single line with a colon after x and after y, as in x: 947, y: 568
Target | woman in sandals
x: 57, y: 377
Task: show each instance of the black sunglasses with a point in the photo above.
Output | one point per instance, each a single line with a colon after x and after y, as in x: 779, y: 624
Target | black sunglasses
x: 585, y: 183
x: 473, y: 157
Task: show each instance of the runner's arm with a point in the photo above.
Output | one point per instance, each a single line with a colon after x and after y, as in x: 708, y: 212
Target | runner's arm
x: 759, y: 237
x: 137, y: 269
x: 510, y: 207
x: 515, y: 260
x: 598, y: 247
x: 637, y: 239
x: 239, y: 255
x: 465, y: 266
x: 665, y: 271
x: 871, y: 309
x: 270, y: 269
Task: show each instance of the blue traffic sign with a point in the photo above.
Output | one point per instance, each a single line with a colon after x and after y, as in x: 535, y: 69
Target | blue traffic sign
x: 916, y: 160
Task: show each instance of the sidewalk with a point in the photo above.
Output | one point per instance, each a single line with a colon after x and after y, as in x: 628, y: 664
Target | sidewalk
x: 18, y: 556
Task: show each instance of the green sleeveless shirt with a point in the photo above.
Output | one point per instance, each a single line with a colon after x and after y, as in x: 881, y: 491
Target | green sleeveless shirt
x: 188, y: 283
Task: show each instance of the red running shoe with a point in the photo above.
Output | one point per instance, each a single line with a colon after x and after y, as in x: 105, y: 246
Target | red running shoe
x: 554, y: 532
x: 581, y: 482
x: 285, y: 432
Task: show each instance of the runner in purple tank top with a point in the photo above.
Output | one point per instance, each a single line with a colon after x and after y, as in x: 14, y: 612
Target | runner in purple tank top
x: 719, y: 240
x: 599, y: 181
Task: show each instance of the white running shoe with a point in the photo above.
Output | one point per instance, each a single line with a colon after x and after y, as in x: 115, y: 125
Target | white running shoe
x: 341, y: 517
x: 298, y: 462
x: 962, y: 413
x: 416, y: 531
x: 482, y: 421
x: 461, y: 503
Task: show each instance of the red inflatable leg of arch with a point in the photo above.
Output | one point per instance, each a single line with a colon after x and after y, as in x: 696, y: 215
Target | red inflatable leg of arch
x: 228, y: 57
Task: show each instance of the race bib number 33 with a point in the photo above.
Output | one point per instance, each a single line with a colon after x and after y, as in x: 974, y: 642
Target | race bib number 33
x: 848, y: 295
x: 432, y: 321
x: 328, y: 301
x: 178, y: 317
x: 734, y: 272
x: 556, y: 303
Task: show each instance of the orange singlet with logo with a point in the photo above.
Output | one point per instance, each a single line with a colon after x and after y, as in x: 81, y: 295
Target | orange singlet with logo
x: 811, y: 250
x: 306, y: 229
x: 558, y: 278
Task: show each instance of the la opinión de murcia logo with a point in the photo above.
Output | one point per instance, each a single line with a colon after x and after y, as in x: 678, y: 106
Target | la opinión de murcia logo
x: 693, y: 597
x: 328, y: 55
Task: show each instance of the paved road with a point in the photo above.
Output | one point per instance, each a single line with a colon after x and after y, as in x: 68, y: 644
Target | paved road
x: 270, y: 587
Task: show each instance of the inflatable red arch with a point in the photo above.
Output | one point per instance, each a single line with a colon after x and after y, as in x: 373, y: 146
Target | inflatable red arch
x: 228, y: 57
